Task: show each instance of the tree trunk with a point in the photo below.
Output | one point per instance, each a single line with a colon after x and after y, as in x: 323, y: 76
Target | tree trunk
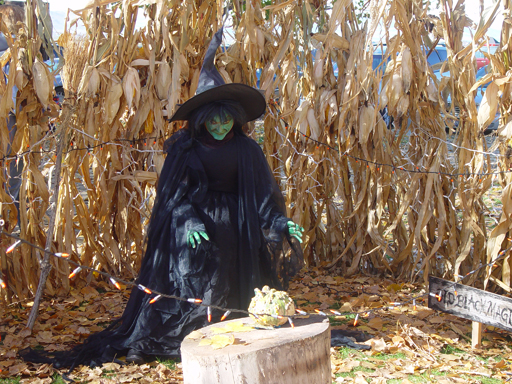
x: 286, y: 355
x: 55, y: 184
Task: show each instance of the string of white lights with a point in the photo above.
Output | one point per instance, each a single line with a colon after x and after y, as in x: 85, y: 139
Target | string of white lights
x: 156, y: 296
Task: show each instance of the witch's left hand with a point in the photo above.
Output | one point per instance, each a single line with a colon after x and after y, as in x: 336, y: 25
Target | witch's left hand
x: 295, y: 230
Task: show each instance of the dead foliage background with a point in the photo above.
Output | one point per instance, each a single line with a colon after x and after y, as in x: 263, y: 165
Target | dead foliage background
x: 121, y: 83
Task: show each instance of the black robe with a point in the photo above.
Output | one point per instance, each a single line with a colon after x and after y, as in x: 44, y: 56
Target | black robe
x: 230, y: 193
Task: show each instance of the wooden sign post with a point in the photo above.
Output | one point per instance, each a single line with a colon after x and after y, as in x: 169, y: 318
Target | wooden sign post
x: 472, y: 304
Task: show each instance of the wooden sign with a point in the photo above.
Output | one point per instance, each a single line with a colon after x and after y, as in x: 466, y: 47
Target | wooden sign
x: 470, y: 303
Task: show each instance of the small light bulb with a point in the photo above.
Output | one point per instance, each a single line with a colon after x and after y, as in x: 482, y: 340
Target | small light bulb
x: 145, y: 289
x: 225, y: 315
x: 75, y: 271
x: 11, y: 248
x: 115, y: 283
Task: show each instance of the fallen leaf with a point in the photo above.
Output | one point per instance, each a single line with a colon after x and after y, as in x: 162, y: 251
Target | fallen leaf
x: 236, y: 326
x: 45, y: 337
x: 394, y: 287
x: 378, y: 345
x: 348, y: 366
x: 376, y: 323
x: 423, y: 314
x: 6, y: 363
x: 195, y: 335
x: 33, y: 380
x: 18, y: 368
x: 88, y: 292
x: 367, y: 364
x: 25, y: 333
x: 111, y: 366
x: 218, y: 341
x: 346, y: 307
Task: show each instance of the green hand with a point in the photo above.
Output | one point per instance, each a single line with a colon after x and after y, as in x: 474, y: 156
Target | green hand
x: 295, y: 230
x: 194, y: 238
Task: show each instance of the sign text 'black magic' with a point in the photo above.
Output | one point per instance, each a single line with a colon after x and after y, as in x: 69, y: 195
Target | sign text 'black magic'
x: 470, y: 303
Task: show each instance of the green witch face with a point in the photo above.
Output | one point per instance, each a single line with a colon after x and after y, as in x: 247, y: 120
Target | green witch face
x: 219, y: 126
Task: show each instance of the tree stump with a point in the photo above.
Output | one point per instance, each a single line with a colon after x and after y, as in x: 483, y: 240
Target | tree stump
x: 283, y: 355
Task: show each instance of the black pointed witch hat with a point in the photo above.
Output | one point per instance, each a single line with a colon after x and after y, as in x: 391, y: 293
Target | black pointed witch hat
x: 211, y: 87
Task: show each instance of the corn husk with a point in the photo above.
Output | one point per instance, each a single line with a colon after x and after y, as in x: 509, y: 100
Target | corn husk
x: 407, y: 69
x: 334, y: 39
x: 431, y: 89
x: 43, y: 82
x: 112, y: 101
x: 366, y: 123
x: 94, y: 82
x: 21, y: 80
x: 149, y: 124
x: 313, y: 124
x: 163, y: 81
x: 90, y: 82
x: 488, y: 107
x: 131, y: 88
x: 402, y: 106
x: 318, y: 69
x: 394, y: 90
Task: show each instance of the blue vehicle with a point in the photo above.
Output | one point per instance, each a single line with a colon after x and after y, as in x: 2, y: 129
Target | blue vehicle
x: 52, y: 63
x: 438, y: 55
x: 478, y: 98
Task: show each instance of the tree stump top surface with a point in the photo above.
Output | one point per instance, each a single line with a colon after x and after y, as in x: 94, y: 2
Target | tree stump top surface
x: 285, y: 355
x: 258, y: 339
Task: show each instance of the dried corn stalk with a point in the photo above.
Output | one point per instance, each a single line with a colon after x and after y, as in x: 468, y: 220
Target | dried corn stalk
x: 361, y: 212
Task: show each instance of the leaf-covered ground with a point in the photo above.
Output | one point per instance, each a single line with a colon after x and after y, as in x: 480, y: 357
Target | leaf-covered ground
x: 407, y: 345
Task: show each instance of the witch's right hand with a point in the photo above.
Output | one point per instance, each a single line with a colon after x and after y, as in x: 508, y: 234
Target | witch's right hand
x: 194, y: 238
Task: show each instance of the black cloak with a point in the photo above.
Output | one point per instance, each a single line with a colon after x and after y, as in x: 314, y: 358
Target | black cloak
x: 249, y: 247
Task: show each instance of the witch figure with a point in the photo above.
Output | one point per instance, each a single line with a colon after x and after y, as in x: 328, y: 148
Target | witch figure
x: 218, y: 228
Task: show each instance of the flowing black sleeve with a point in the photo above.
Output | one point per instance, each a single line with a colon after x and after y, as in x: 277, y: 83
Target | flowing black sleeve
x: 280, y: 255
x: 181, y: 182
x: 188, y: 219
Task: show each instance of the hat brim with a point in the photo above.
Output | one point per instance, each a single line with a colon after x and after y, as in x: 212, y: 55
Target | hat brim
x: 251, y: 100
